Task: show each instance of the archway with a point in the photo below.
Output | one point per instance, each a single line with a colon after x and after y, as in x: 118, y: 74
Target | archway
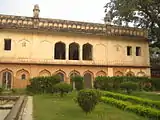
x: 61, y: 76
x: 44, y: 73
x: 130, y: 74
x: 60, y: 51
x: 87, y: 80
x: 74, y: 51
x: 87, y: 51
x: 74, y: 74
x: 7, y: 79
x: 118, y: 73
x: 140, y: 74
x: 101, y: 73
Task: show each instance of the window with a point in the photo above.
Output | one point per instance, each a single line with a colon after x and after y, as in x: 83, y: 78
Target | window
x: 129, y: 50
x: 23, y: 77
x: 138, y: 51
x: 7, y: 44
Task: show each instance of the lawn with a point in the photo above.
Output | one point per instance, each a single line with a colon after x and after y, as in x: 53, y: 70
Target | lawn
x: 51, y: 107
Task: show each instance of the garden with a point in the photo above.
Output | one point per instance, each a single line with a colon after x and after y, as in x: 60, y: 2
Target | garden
x: 111, y: 98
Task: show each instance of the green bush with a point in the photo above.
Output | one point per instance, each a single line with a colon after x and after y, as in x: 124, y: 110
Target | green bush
x: 103, y: 83
x: 128, y: 86
x: 78, y: 82
x: 1, y: 90
x: 148, y: 112
x: 43, y: 84
x: 62, y: 88
x: 87, y: 99
x: 156, y: 83
x: 133, y: 99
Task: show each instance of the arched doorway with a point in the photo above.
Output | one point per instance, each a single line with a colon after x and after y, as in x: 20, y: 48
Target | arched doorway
x: 74, y: 51
x: 118, y: 73
x: 60, y: 51
x: 87, y: 51
x: 87, y: 80
x: 6, y: 79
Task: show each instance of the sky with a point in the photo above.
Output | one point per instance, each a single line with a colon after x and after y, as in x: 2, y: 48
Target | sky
x: 77, y: 10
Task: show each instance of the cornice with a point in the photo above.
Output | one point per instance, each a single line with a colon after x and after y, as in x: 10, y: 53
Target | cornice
x: 46, y: 24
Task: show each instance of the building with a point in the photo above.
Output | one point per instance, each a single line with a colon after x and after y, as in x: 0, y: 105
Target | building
x: 34, y: 46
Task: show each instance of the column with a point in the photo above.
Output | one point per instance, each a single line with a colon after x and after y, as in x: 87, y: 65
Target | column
x: 53, y: 50
x: 80, y: 52
x: 67, y: 52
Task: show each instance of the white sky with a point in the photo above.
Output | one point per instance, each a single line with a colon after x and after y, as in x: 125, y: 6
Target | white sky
x: 78, y: 10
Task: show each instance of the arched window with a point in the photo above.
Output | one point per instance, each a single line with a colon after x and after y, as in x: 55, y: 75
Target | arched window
x: 73, y: 51
x: 23, y: 77
x: 87, y: 52
x: 7, y: 79
x: 87, y: 80
x: 60, y: 51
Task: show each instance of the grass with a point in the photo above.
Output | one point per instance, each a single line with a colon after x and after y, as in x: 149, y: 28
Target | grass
x: 51, y: 107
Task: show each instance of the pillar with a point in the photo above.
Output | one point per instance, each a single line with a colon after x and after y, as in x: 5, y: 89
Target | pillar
x: 81, y: 52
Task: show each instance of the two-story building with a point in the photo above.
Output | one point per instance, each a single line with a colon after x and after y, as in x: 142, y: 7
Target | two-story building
x: 34, y: 46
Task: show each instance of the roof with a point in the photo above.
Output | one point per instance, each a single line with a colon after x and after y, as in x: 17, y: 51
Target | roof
x: 46, y: 24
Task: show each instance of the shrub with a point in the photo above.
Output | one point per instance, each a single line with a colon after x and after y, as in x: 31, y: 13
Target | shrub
x: 156, y: 83
x: 128, y: 86
x: 1, y: 90
x: 133, y: 99
x: 103, y: 83
x: 43, y: 84
x: 148, y: 112
x: 78, y: 82
x: 62, y: 88
x: 87, y: 99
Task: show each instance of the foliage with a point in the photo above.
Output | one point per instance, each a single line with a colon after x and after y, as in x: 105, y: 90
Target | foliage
x: 113, y: 83
x: 128, y: 86
x: 140, y: 13
x: 133, y: 99
x: 62, y: 88
x: 103, y: 83
x: 78, y: 82
x: 1, y: 90
x: 156, y: 83
x: 87, y: 99
x: 138, y: 109
x: 43, y: 84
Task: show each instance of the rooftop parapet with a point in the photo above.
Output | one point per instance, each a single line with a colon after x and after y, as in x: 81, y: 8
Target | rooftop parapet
x: 36, y: 23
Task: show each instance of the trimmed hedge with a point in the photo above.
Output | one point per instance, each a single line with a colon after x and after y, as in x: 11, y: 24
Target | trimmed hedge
x: 138, y: 109
x: 43, y: 84
x: 133, y: 99
x: 113, y: 83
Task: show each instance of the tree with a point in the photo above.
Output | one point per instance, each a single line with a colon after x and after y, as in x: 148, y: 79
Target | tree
x: 138, y: 13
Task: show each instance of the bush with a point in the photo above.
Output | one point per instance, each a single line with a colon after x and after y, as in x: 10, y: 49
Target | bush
x: 1, y: 90
x: 128, y: 86
x: 62, y: 88
x: 133, y: 99
x: 87, y: 99
x: 148, y: 112
x: 43, y: 84
x: 156, y: 83
x: 78, y: 82
x: 103, y: 83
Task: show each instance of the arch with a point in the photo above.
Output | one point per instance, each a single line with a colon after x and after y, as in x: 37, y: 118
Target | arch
x: 6, y: 78
x: 118, y: 73
x: 101, y: 73
x: 87, y: 51
x: 88, y: 77
x: 130, y: 73
x: 23, y: 77
x: 44, y: 73
x: 61, y: 74
x: 60, y: 50
x: 141, y: 74
x: 74, y: 51
x: 74, y: 72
